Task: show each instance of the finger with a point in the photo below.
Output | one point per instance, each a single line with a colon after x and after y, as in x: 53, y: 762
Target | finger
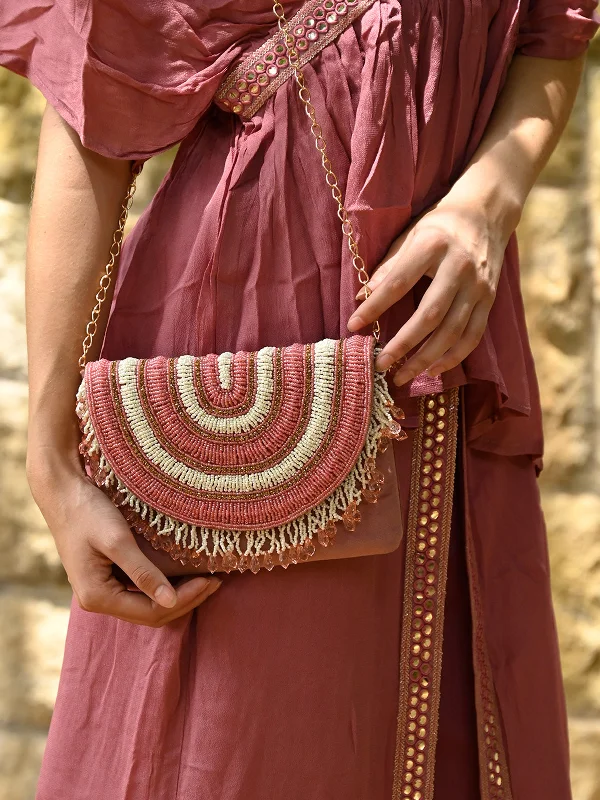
x: 447, y: 335
x: 467, y: 343
x: 386, y: 265
x: 197, y: 600
x: 126, y: 554
x: 411, y: 265
x: 114, y: 600
x: 432, y: 309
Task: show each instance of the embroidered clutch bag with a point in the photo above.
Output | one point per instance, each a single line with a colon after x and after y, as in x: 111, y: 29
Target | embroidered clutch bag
x: 247, y: 460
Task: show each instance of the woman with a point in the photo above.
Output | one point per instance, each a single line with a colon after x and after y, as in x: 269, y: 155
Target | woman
x: 439, y: 116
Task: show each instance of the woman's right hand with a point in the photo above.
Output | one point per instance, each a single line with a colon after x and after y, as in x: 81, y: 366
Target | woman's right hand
x: 77, y: 202
x: 91, y: 536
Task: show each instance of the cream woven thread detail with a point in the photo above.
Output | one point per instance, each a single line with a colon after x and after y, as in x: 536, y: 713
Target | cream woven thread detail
x: 218, y: 542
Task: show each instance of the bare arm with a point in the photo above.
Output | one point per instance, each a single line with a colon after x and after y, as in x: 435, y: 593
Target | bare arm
x: 76, y: 205
x: 460, y: 243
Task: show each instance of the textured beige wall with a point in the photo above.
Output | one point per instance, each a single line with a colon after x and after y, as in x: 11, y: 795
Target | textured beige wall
x: 560, y: 246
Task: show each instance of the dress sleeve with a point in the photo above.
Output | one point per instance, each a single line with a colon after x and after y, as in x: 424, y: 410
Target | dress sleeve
x: 558, y: 28
x: 132, y: 77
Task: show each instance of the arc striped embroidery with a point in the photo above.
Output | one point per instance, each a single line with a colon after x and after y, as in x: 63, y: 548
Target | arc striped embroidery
x: 251, y: 455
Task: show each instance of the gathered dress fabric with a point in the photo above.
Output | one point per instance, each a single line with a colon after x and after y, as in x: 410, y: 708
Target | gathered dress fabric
x: 285, y: 685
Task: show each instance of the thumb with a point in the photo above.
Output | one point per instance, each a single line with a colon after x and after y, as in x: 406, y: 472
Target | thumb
x: 144, y: 574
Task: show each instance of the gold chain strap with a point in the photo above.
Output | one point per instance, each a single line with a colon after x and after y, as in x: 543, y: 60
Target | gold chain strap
x: 321, y: 145
x: 105, y: 281
x: 330, y: 177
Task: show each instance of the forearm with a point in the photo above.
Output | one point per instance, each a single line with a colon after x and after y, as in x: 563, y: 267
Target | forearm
x: 75, y: 209
x: 528, y: 120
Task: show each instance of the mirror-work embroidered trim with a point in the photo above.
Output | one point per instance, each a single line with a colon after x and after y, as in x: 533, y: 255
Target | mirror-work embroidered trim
x: 253, y: 473
x: 427, y: 543
x: 250, y: 84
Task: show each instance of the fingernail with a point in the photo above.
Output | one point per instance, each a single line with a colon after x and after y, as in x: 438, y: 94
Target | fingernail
x: 384, y: 361
x: 401, y: 377
x: 202, y: 584
x: 165, y: 596
x: 355, y: 323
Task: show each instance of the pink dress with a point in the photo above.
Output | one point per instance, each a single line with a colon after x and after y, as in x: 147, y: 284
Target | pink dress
x: 286, y: 684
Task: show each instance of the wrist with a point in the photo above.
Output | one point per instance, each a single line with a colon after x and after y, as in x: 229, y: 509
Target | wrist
x: 50, y: 466
x: 496, y: 196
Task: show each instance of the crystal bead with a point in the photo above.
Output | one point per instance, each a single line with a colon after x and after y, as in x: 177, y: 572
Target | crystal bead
x: 285, y: 558
x: 243, y: 563
x: 370, y: 495
x: 394, y: 428
x: 269, y: 563
x: 397, y: 412
x: 327, y: 534
x: 254, y: 564
x: 309, y: 548
x: 230, y: 561
x: 376, y: 477
x: 351, y: 516
x: 383, y: 443
x: 176, y: 551
x: 302, y: 554
x: 212, y: 564
x: 129, y: 514
x: 294, y: 554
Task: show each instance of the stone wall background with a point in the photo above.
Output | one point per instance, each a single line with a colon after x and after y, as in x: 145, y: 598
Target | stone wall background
x: 560, y: 249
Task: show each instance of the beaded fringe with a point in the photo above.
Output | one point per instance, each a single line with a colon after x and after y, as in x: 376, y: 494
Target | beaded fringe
x: 234, y: 549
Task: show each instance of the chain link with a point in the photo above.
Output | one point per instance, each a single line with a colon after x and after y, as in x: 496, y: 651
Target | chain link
x: 321, y: 145
x: 105, y: 281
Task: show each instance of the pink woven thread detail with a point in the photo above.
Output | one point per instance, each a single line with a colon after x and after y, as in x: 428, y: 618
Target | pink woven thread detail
x: 297, y: 479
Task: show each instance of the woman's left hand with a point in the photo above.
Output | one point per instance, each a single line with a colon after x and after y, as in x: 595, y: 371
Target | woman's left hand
x: 457, y: 244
